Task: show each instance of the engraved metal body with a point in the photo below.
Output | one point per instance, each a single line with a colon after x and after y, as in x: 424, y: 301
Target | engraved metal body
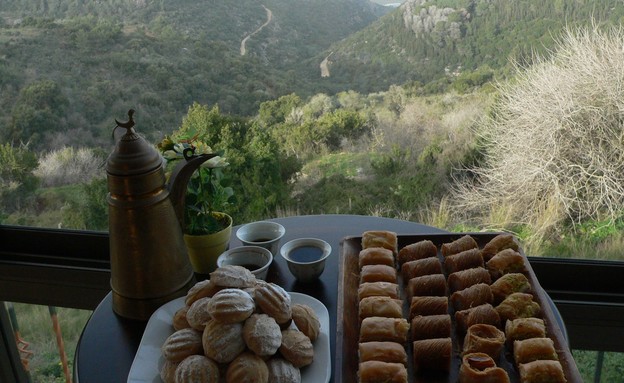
x: 149, y: 262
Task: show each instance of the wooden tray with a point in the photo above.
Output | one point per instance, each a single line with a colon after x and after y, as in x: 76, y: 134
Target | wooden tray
x: 347, y: 333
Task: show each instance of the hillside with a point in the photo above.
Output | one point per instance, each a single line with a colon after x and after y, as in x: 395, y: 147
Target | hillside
x: 91, y: 61
x: 425, y: 40
x: 67, y: 67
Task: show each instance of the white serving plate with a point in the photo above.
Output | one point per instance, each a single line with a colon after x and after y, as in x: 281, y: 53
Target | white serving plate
x: 148, y: 360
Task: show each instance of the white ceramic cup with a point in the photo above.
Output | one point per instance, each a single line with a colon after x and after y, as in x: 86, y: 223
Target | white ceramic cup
x: 306, y: 257
x: 256, y: 259
x: 265, y: 234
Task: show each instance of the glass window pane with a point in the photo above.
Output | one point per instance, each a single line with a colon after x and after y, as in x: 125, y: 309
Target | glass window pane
x: 47, y: 337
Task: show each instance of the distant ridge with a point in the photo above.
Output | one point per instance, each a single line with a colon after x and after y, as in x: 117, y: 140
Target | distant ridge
x: 428, y: 41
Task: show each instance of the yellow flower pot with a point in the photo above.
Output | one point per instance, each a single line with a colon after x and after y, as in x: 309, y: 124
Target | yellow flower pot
x: 203, y: 250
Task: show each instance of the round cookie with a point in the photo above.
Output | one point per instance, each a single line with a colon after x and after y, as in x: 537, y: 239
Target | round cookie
x: 282, y: 371
x: 231, y: 306
x: 223, y: 342
x: 198, y: 315
x: 262, y: 334
x: 179, y: 319
x: 233, y: 276
x: 201, y: 289
x: 182, y: 344
x: 197, y: 369
x: 167, y: 371
x: 247, y: 368
x: 306, y: 320
x: 274, y: 301
x: 296, y: 348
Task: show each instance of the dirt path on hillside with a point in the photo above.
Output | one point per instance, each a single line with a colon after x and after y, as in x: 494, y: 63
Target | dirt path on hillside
x: 243, y: 48
x: 325, y: 66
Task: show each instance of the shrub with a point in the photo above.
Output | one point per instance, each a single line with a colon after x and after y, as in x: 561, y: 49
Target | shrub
x: 553, y: 145
x: 68, y: 166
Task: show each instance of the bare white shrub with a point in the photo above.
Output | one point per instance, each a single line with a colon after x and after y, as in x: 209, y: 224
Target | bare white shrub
x: 69, y: 166
x: 554, y: 142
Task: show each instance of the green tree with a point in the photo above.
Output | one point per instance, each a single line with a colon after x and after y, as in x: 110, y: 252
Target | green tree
x: 17, y: 182
x: 275, y: 111
x: 256, y: 171
x: 40, y: 108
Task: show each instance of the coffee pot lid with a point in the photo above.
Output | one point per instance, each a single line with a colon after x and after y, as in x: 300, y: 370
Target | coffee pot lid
x: 132, y: 155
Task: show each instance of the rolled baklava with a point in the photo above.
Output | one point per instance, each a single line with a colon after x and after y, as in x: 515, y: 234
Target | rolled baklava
x: 376, y: 256
x: 457, y: 246
x: 379, y: 329
x: 416, y: 251
x: 472, y: 296
x: 464, y: 260
x: 480, y: 314
x: 426, y: 305
x: 420, y: 267
x: 481, y: 368
x: 505, y: 262
x: 518, y: 305
x: 427, y: 285
x: 484, y: 338
x: 431, y: 326
x: 380, y: 307
x: 499, y: 243
x: 463, y: 279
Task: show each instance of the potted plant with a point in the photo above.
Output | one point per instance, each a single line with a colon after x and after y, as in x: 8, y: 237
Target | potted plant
x: 207, y: 226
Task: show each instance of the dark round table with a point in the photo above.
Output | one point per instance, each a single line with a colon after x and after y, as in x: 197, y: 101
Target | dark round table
x: 108, y: 344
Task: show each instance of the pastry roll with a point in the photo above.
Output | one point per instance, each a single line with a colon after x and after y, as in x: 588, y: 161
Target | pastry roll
x: 504, y: 262
x: 376, y: 256
x: 432, y: 354
x: 428, y: 306
x: 464, y: 260
x: 457, y: 246
x: 484, y: 338
x: 420, y: 267
x: 509, y: 284
x: 432, y: 285
x: 378, y: 289
x: 378, y: 273
x: 373, y: 371
x: 431, y: 326
x: 472, y: 296
x: 480, y: 368
x: 480, y: 314
x: 389, y: 352
x: 466, y: 278
x: 380, y: 307
x: 384, y: 330
x: 499, y: 243
x: 415, y: 251
x: 524, y: 328
x: 528, y: 350
x: 542, y: 371
x: 518, y: 305
x: 380, y: 238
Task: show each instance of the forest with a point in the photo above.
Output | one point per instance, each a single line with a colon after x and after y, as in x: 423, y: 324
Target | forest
x: 414, y: 149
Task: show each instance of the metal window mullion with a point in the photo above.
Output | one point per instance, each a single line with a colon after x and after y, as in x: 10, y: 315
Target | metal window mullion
x: 11, y: 369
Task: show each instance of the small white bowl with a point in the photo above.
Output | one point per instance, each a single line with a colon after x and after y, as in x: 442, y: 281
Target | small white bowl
x: 265, y: 234
x: 255, y: 258
x: 306, y: 257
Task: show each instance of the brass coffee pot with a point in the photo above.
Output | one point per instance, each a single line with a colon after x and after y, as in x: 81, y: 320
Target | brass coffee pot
x: 149, y: 262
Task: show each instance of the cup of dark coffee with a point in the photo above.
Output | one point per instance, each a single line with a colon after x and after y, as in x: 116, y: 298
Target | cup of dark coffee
x: 306, y: 257
x: 265, y: 234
